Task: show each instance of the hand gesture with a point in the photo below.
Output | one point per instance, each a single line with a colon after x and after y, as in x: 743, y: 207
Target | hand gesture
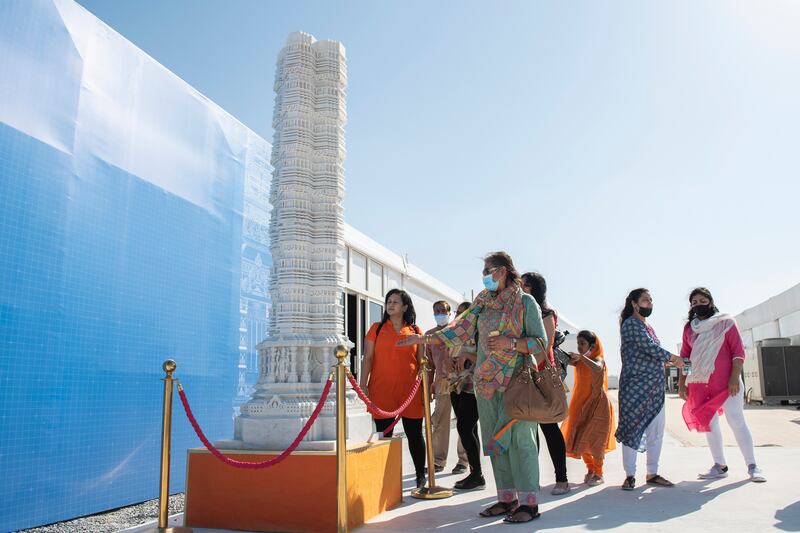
x: 410, y: 340
x: 676, y: 361
x: 574, y: 358
x: 499, y: 343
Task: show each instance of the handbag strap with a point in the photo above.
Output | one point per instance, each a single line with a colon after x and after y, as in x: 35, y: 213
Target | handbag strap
x: 526, y: 361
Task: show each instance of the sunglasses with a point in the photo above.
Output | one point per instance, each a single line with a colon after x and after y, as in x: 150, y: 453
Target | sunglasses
x: 487, y: 271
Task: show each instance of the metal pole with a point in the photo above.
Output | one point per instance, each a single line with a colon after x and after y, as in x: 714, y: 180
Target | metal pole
x: 431, y: 492
x: 169, y: 367
x: 341, y: 440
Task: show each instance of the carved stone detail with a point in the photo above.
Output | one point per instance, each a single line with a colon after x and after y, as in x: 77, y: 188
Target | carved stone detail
x: 306, y: 242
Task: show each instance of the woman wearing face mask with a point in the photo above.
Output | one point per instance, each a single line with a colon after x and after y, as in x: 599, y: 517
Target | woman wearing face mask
x: 712, y: 386
x: 641, y: 389
x: 534, y: 284
x: 506, y: 322
x: 388, y: 372
x: 589, y: 427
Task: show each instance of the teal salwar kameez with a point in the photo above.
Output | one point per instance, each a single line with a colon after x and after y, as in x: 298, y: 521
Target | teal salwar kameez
x: 511, y: 446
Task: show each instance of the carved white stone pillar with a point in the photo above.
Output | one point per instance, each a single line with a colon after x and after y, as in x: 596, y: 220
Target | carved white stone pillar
x: 306, y: 239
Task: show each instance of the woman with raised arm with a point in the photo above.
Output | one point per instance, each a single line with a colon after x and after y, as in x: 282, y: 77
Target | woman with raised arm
x: 506, y: 322
x: 642, y: 388
x: 589, y: 427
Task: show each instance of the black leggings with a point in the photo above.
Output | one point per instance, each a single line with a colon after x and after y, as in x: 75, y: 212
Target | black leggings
x: 466, y: 409
x: 416, y: 444
x: 557, y: 448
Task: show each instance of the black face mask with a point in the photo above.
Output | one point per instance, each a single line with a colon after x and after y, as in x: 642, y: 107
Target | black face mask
x: 703, y: 310
x: 645, y: 311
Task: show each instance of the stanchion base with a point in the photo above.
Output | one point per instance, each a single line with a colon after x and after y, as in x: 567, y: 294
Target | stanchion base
x: 435, y: 493
x: 176, y: 529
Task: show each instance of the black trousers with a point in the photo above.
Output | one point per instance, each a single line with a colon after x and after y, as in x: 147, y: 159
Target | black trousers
x: 557, y: 448
x: 466, y: 409
x: 416, y: 444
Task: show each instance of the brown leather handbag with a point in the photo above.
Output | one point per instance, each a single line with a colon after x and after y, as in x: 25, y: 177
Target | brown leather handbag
x: 533, y: 395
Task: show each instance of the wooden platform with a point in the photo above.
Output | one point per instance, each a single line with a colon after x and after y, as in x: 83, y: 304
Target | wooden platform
x: 298, y: 494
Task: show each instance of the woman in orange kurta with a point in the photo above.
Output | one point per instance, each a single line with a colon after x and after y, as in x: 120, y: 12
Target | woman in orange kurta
x: 388, y: 373
x: 589, y: 427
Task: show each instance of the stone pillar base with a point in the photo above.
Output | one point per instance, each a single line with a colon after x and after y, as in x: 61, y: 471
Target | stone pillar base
x: 278, y: 498
x: 278, y: 433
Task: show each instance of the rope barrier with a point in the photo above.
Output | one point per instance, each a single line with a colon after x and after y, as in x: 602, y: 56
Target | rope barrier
x: 262, y: 464
x: 374, y: 409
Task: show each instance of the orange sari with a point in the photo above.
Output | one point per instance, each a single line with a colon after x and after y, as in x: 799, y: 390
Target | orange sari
x: 589, y: 427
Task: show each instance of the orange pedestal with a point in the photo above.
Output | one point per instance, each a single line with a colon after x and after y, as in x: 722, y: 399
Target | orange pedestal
x: 298, y: 494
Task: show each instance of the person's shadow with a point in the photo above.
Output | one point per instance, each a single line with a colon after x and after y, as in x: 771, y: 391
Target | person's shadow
x: 612, y: 507
x: 788, y: 517
x: 606, y: 509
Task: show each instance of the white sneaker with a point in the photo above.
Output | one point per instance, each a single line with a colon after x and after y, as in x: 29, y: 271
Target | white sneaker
x: 756, y: 476
x: 715, y: 472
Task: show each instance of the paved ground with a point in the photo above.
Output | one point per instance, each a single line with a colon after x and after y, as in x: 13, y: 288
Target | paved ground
x: 731, y: 504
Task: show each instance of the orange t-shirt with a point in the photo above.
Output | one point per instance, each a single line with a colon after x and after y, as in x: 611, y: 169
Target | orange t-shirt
x: 394, y: 370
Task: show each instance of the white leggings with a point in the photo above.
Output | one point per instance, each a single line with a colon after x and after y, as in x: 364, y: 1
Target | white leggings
x: 653, y: 439
x: 733, y: 409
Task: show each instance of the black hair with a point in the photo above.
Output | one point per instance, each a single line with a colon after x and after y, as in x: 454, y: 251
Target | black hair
x: 588, y: 336
x: 538, y: 286
x: 502, y: 259
x: 633, y: 296
x: 463, y: 306
x: 445, y: 303
x: 410, y: 316
x: 702, y: 291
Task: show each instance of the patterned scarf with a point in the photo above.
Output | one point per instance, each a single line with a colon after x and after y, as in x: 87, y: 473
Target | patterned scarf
x: 705, y: 349
x: 495, y: 372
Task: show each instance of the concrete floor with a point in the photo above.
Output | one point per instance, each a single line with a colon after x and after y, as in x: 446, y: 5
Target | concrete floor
x: 731, y: 504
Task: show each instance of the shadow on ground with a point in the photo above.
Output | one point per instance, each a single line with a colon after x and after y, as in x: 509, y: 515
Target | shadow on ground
x: 608, y: 508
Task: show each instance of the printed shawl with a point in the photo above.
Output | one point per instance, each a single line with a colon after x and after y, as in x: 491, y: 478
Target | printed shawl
x: 495, y: 372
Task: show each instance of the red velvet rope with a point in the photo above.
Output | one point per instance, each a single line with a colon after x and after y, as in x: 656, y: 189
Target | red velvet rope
x: 262, y: 464
x: 374, y: 409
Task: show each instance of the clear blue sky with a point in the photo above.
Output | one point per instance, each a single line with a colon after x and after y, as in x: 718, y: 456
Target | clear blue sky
x: 609, y: 145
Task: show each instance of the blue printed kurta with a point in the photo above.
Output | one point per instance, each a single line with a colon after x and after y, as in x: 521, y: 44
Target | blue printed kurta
x: 641, y: 382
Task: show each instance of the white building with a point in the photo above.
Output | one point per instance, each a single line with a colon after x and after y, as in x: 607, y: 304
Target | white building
x: 371, y: 270
x: 777, y: 317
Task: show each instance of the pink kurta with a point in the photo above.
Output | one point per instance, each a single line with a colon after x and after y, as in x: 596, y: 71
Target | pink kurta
x: 706, y: 399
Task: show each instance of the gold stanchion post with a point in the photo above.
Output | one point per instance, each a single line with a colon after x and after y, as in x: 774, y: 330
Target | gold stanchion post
x: 431, y: 492
x: 341, y: 439
x: 169, y: 367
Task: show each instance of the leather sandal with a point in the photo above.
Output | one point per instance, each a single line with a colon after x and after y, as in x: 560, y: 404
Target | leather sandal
x: 532, y: 511
x: 660, y: 481
x: 499, y: 508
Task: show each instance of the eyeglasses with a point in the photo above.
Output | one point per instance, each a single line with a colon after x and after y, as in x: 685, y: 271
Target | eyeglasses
x: 487, y: 271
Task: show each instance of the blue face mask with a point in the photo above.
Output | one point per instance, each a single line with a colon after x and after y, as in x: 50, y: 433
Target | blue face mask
x: 490, y: 283
x: 441, y: 320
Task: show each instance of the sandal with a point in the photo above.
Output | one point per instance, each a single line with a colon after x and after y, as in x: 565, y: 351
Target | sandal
x: 629, y: 483
x: 499, y: 508
x: 659, y: 481
x: 533, y: 512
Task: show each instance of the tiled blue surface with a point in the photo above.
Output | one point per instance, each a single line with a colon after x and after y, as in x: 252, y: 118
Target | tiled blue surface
x: 105, y: 272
